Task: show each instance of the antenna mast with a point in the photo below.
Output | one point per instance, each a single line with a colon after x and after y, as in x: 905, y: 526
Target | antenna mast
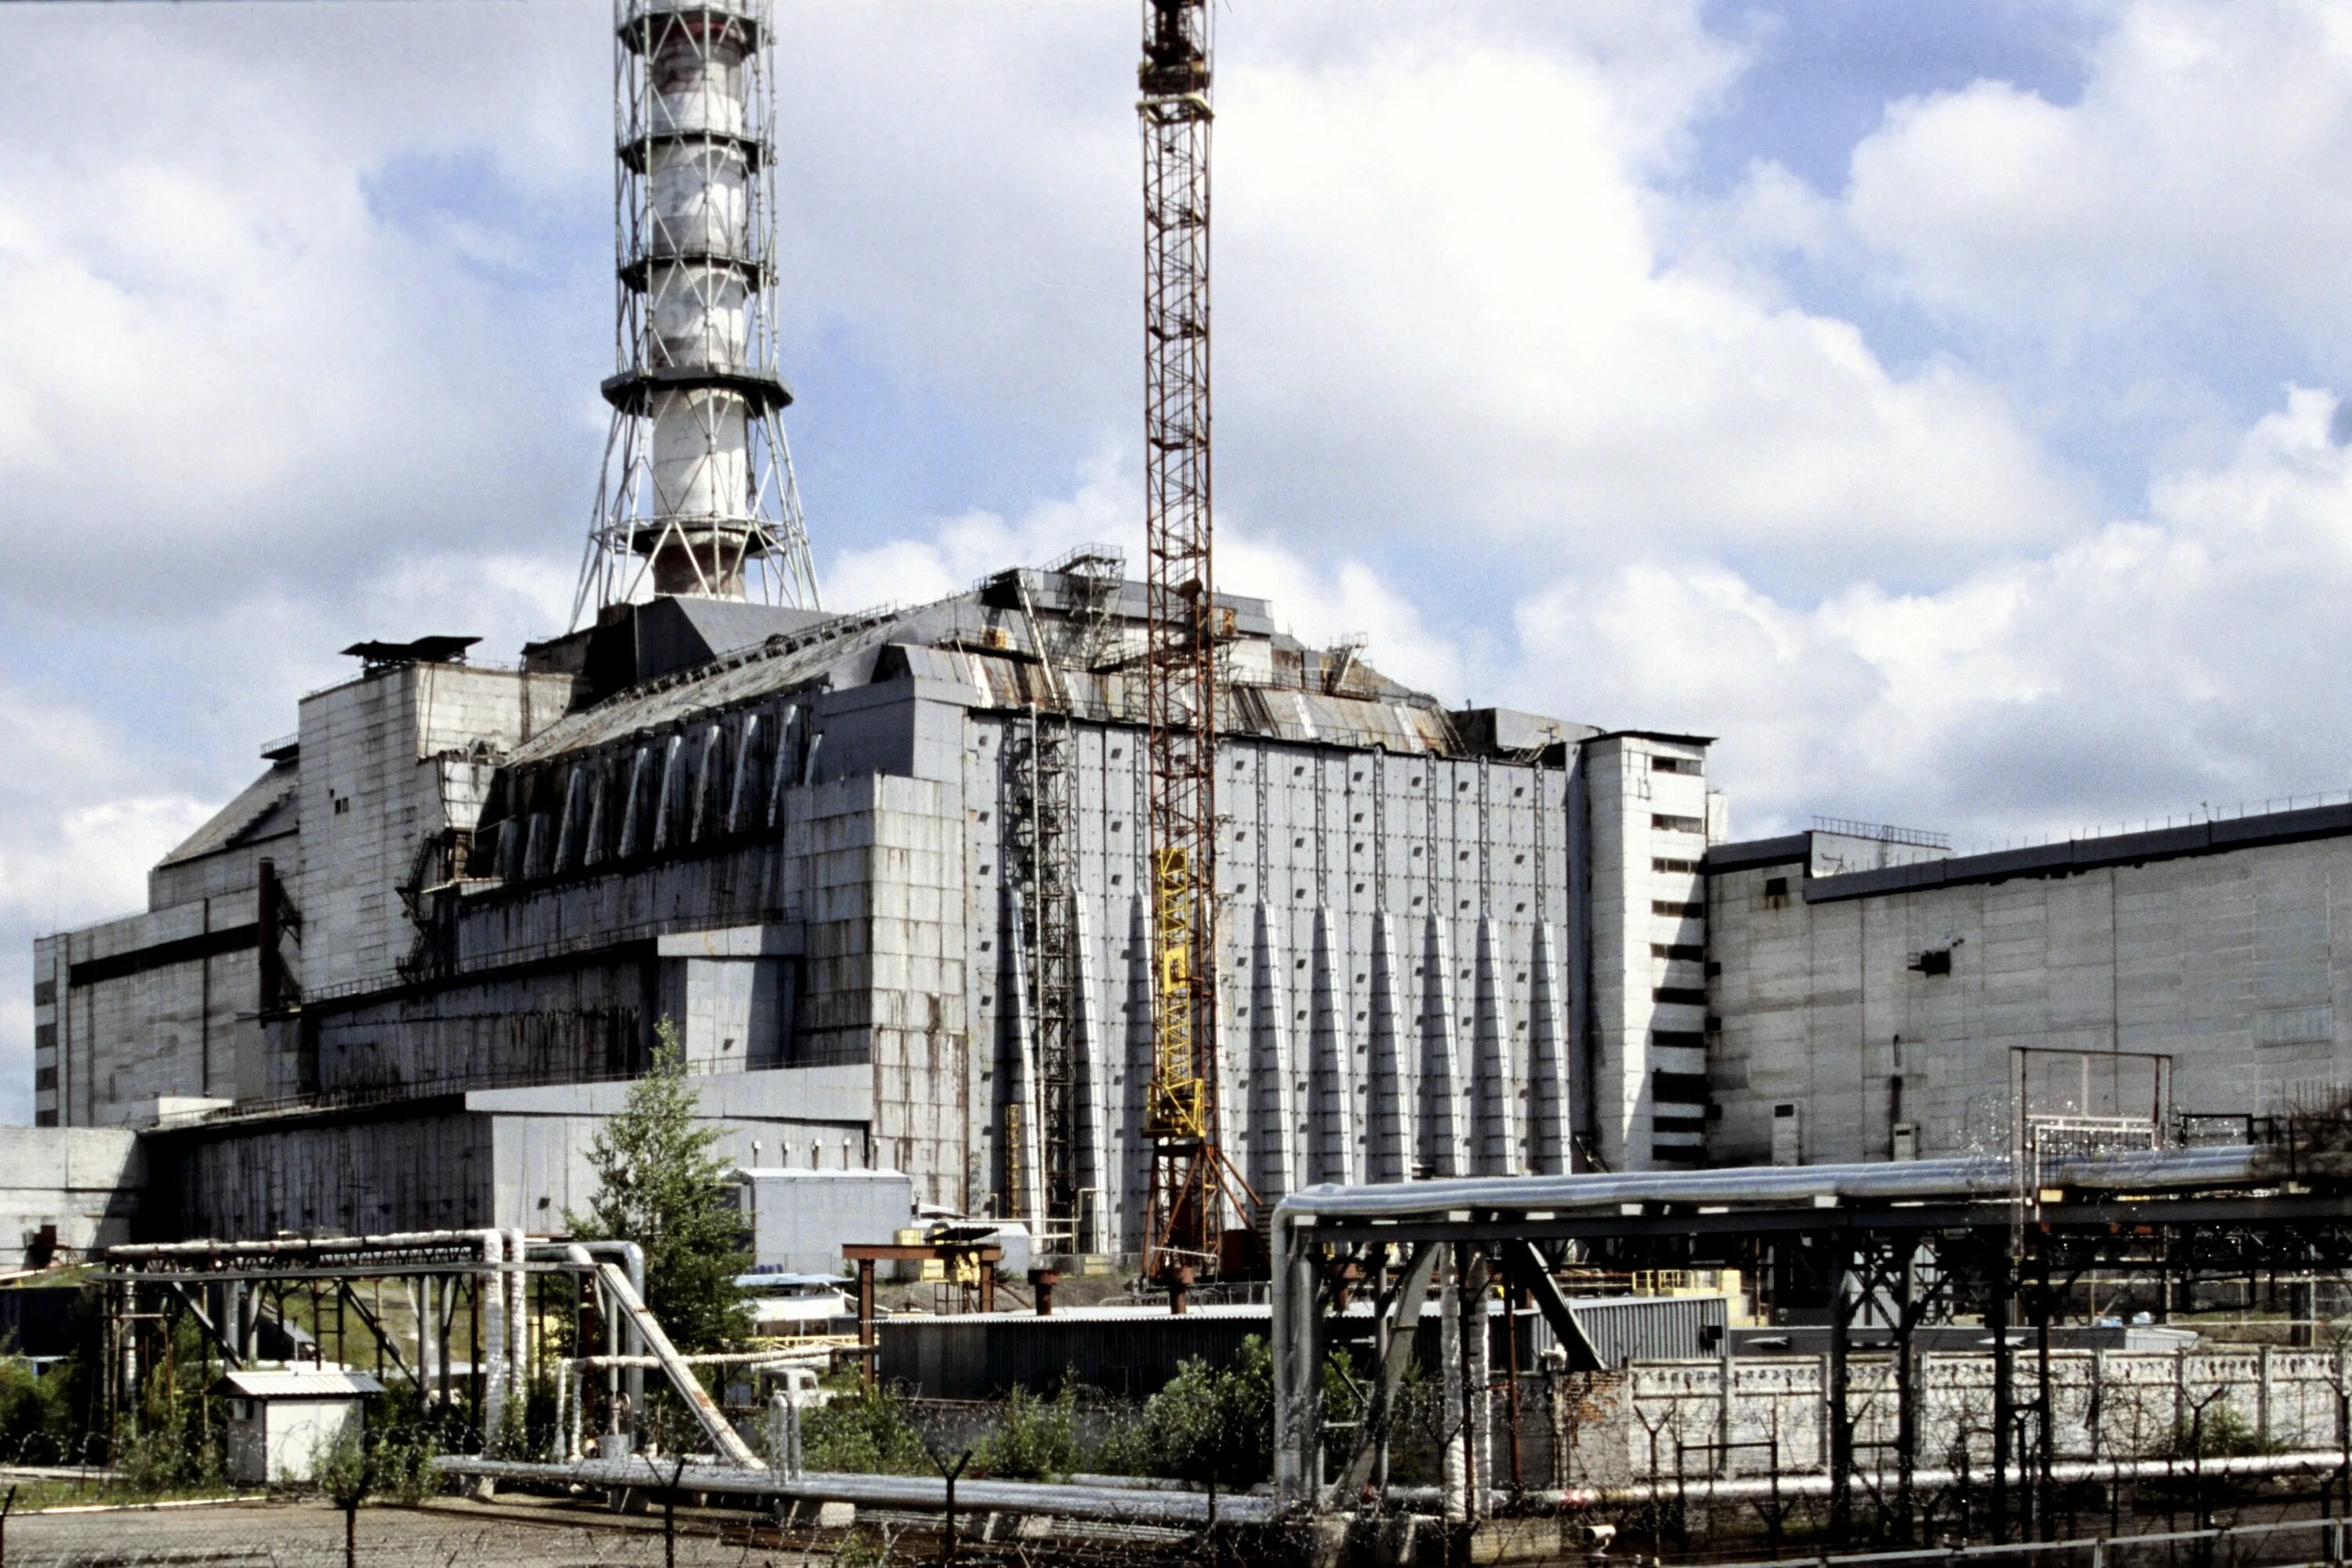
x: 697, y: 495
x: 1187, y: 1212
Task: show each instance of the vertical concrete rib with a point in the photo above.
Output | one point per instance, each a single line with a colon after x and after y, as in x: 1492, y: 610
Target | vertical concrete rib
x: 1547, y: 1059
x: 1023, y: 1188
x: 1443, y: 1148
x: 1494, y: 1087
x: 1389, y: 1155
x: 1331, y: 1079
x: 1094, y: 1108
x: 1273, y: 1157
x: 1134, y: 1137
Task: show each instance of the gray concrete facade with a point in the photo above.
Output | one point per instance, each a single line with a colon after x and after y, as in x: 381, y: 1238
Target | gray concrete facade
x: 793, y: 841
x: 1879, y: 1002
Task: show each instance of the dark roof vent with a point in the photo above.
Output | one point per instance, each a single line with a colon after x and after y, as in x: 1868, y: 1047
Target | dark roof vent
x: 376, y: 655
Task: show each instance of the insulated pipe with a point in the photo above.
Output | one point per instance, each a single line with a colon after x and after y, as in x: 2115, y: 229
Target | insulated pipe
x: 632, y: 1259
x: 490, y: 1312
x: 723, y: 1436
x: 2064, y: 1472
x: 1116, y: 1505
x: 293, y: 1246
x: 1974, y: 1177
x: 518, y: 1323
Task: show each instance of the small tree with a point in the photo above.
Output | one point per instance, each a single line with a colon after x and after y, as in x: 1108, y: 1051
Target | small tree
x: 660, y: 1185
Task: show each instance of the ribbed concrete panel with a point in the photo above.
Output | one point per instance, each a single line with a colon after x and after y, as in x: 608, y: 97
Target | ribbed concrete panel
x: 1548, y: 1056
x: 1272, y: 1166
x: 1336, y: 1140
x: 1494, y: 1088
x: 1020, y: 1188
x: 1136, y: 1144
x: 1098, y: 1049
x: 1389, y: 1154
x: 1443, y: 1142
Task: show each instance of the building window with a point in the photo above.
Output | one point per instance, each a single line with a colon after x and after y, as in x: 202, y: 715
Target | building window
x: 44, y: 1077
x: 1689, y: 949
x: 1669, y: 908
x: 1665, y: 824
x: 45, y: 993
x: 1776, y: 892
x: 1934, y: 961
x: 1678, y: 1088
x: 1687, y: 1039
x: 1667, y: 863
x: 45, y: 1119
x: 1674, y: 765
x: 1690, y: 994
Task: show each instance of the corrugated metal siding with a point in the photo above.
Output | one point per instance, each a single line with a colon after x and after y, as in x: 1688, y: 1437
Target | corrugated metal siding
x: 976, y: 1357
x: 1127, y: 1351
x: 1652, y: 1328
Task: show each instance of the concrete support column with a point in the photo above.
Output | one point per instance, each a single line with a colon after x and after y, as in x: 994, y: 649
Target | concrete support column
x: 1273, y: 1159
x: 1444, y: 1143
x: 1549, y: 1137
x: 1101, y: 1189
x: 1331, y: 1081
x: 1494, y: 1087
x: 1389, y: 1155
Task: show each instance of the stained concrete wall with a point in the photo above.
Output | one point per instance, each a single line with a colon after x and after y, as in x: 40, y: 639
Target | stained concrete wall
x: 158, y: 1005
x: 505, y: 1157
x: 388, y: 761
x: 2232, y: 964
x: 82, y: 1185
x: 1381, y: 1003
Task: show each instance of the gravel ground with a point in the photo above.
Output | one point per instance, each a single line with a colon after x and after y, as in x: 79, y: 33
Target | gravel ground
x: 440, y: 1535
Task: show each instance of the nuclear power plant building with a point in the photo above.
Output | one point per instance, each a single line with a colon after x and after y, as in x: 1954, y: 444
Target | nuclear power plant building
x: 394, y: 983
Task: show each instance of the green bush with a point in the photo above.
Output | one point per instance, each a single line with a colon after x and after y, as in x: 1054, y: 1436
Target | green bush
x: 36, y: 1413
x: 1209, y: 1425
x: 863, y: 1432
x: 1035, y: 1439
x: 393, y: 1462
x: 2221, y: 1433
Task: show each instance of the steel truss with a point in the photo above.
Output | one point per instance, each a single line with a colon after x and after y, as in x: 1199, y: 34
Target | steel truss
x: 697, y: 494
x: 1886, y: 1270
x: 1188, y: 1203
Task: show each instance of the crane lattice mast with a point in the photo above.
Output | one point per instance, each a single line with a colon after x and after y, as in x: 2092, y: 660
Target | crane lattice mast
x: 1187, y: 1210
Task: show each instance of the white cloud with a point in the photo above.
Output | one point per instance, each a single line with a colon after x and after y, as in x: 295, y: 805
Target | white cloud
x: 2202, y: 165
x: 2150, y: 666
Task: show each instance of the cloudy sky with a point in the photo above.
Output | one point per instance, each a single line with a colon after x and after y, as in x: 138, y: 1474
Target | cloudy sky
x: 1938, y: 402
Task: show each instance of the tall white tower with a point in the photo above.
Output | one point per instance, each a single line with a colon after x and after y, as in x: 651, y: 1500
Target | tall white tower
x: 697, y: 494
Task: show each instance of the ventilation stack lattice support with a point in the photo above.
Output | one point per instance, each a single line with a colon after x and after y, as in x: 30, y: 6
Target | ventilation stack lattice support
x: 699, y: 495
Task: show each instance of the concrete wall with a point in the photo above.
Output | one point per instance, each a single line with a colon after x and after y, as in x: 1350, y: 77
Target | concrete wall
x: 1379, y: 985
x: 156, y: 1005
x: 1647, y: 810
x: 2232, y: 964
x: 81, y: 1185
x: 388, y: 761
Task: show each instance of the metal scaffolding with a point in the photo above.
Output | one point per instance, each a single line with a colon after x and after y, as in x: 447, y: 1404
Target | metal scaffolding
x: 699, y: 496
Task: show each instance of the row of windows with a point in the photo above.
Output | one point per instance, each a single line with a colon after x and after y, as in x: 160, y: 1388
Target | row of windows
x: 1671, y: 863
x: 1695, y: 910
x: 1663, y: 823
x: 1689, y: 949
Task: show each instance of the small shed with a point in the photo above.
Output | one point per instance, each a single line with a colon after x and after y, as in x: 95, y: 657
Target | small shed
x: 279, y: 1418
